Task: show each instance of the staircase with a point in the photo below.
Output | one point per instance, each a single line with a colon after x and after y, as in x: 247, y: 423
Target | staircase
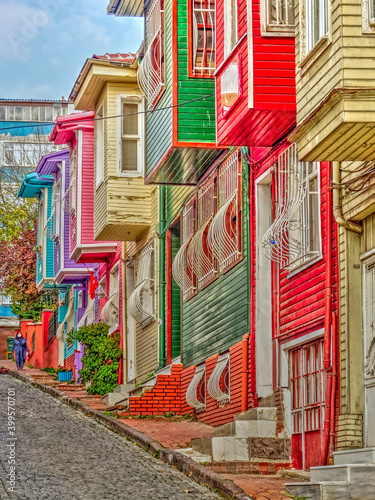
x: 352, y: 477
x: 120, y: 395
x: 251, y: 437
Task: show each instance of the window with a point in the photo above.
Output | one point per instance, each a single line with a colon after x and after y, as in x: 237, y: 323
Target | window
x: 182, y: 268
x: 131, y: 130
x: 2, y: 112
x: 316, y: 22
x: 41, y: 223
x: 110, y: 312
x: 277, y: 16
x: 231, y: 85
x: 151, y: 69
x: 99, y: 143
x: 202, y: 37
x: 294, y: 236
x: 56, y: 193
x: 142, y: 299
x: 5, y: 300
x: 225, y: 233
x: 230, y: 26
x: 25, y: 154
x: 72, y: 182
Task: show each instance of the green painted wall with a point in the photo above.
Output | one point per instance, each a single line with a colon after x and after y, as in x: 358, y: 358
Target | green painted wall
x: 196, y: 121
x: 159, y: 124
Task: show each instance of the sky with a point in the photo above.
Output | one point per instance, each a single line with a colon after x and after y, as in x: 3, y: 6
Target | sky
x: 44, y: 43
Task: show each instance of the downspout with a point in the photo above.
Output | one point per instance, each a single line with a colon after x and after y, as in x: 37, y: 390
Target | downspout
x: 161, y: 276
x: 334, y: 382
x: 124, y: 336
x: 337, y: 211
x: 168, y: 255
x: 248, y: 338
x: 327, y: 325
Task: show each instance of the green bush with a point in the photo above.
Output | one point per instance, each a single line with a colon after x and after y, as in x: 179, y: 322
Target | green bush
x: 101, y: 359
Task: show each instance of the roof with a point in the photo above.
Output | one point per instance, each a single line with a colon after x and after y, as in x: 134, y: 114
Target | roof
x: 35, y: 101
x: 122, y: 58
x: 64, y: 127
x: 125, y: 8
x: 48, y: 163
x: 31, y: 185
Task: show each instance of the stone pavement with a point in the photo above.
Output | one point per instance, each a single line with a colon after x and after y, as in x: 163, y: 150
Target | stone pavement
x: 174, y: 435
x: 61, y: 454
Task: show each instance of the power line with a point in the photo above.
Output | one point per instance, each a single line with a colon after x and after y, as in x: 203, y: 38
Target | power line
x: 44, y: 124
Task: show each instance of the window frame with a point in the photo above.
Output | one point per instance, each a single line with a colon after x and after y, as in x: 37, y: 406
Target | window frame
x: 193, y: 71
x: 140, y: 102
x: 99, y: 146
x: 229, y: 25
x: 268, y: 29
x: 310, y: 51
x: 73, y: 181
x: 56, y: 200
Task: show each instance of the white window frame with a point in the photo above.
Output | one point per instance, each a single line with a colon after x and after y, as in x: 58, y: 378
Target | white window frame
x: 139, y: 101
x: 56, y: 200
x: 368, y: 17
x: 99, y: 143
x: 273, y: 29
x: 230, y: 21
x: 309, y: 47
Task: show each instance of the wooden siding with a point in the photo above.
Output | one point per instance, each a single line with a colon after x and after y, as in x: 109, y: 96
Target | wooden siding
x: 86, y: 197
x: 176, y: 305
x: 122, y: 204
x: 273, y: 86
x: 48, y: 251
x: 159, y: 124
x: 101, y: 192
x: 197, y: 120
x: 175, y: 198
x: 359, y: 200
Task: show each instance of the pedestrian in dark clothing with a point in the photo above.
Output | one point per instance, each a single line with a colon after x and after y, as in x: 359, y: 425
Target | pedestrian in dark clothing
x: 19, y: 350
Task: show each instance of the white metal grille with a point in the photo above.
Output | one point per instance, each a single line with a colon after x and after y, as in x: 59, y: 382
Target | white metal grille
x: 141, y: 300
x: 48, y: 229
x: 88, y: 317
x: 196, y: 394
x: 62, y: 330
x: 218, y: 386
x: 110, y: 312
x: 225, y: 231
x: 280, y: 15
x: 150, y: 70
x: 182, y: 269
x: 65, y: 201
x: 203, y: 37
x: 294, y: 235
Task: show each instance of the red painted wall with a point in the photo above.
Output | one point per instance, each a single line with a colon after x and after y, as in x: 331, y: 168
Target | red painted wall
x: 274, y: 109
x: 51, y: 355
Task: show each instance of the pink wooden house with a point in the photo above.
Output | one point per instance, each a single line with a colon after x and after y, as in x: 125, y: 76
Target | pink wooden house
x: 77, y: 131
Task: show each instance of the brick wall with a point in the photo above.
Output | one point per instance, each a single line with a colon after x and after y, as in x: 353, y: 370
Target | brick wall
x: 349, y: 431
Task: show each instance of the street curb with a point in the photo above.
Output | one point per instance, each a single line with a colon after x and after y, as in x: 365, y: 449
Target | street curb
x: 189, y: 467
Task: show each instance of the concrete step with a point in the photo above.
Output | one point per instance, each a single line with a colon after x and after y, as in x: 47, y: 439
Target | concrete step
x: 124, y: 388
x: 257, y: 422
x: 260, y: 413
x: 232, y: 448
x: 194, y: 455
x: 139, y: 391
x: 114, y: 398
x: 357, y: 456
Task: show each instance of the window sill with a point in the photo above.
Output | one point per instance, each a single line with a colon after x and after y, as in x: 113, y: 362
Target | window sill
x: 130, y: 174
x: 277, y: 33
x: 305, y: 265
x: 314, y: 54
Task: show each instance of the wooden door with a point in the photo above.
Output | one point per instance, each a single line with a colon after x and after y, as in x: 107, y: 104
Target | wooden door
x: 307, y: 384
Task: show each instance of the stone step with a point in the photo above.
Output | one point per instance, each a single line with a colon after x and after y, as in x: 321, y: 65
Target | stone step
x: 257, y: 422
x: 114, y: 398
x: 194, y: 455
x: 232, y: 448
x: 139, y: 391
x: 357, y: 456
x: 124, y: 388
x: 260, y: 413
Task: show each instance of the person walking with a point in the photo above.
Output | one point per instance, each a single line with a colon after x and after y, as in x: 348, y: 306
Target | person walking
x: 19, y: 350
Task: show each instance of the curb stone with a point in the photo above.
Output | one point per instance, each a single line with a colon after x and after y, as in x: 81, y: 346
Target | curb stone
x: 189, y: 467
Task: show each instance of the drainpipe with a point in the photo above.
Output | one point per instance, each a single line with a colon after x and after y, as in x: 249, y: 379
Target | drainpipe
x: 333, y: 386
x: 327, y: 326
x: 337, y: 211
x: 168, y: 255
x: 161, y: 276
x: 124, y: 336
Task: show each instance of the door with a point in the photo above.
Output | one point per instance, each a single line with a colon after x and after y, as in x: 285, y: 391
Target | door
x: 130, y: 337
x: 369, y: 350
x: 307, y: 384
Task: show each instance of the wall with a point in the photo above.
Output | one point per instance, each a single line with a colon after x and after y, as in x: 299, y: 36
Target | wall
x: 5, y: 332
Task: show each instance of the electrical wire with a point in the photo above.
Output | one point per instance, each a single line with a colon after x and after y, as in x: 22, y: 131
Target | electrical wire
x: 67, y: 122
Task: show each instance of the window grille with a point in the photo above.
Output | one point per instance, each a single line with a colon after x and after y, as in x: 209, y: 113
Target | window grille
x: 196, y: 392
x: 203, y: 37
x: 65, y: 201
x: 199, y: 255
x: 88, y: 317
x: 294, y: 236
x: 110, y: 312
x: 56, y: 209
x: 224, y: 236
x: 48, y: 228
x: 130, y: 138
x: 280, y: 15
x: 141, y: 300
x: 307, y: 388
x: 151, y: 68
x: 182, y: 270
x: 218, y: 386
x: 62, y: 330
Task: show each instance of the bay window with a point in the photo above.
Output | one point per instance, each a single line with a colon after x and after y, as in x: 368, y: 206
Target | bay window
x: 201, y: 37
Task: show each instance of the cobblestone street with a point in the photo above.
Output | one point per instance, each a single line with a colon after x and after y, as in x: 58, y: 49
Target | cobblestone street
x: 61, y: 455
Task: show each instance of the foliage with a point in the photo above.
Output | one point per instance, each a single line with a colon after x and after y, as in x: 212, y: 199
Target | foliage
x: 101, y: 359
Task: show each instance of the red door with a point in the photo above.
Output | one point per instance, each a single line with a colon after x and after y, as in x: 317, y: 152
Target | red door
x: 308, y: 401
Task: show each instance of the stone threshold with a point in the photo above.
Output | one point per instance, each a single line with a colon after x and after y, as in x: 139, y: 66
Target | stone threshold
x: 201, y: 474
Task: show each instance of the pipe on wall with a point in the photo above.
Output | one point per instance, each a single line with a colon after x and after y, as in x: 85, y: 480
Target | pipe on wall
x: 123, y: 377
x: 337, y: 209
x: 168, y: 256
x: 333, y: 384
x: 162, y: 358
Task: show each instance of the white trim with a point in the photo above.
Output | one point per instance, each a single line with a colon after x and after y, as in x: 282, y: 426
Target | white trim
x: 78, y: 174
x: 97, y: 181
x: 250, y: 58
x: 139, y: 100
x: 367, y: 254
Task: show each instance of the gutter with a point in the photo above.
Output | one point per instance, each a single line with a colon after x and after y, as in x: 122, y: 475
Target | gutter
x: 337, y: 209
x: 162, y: 277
